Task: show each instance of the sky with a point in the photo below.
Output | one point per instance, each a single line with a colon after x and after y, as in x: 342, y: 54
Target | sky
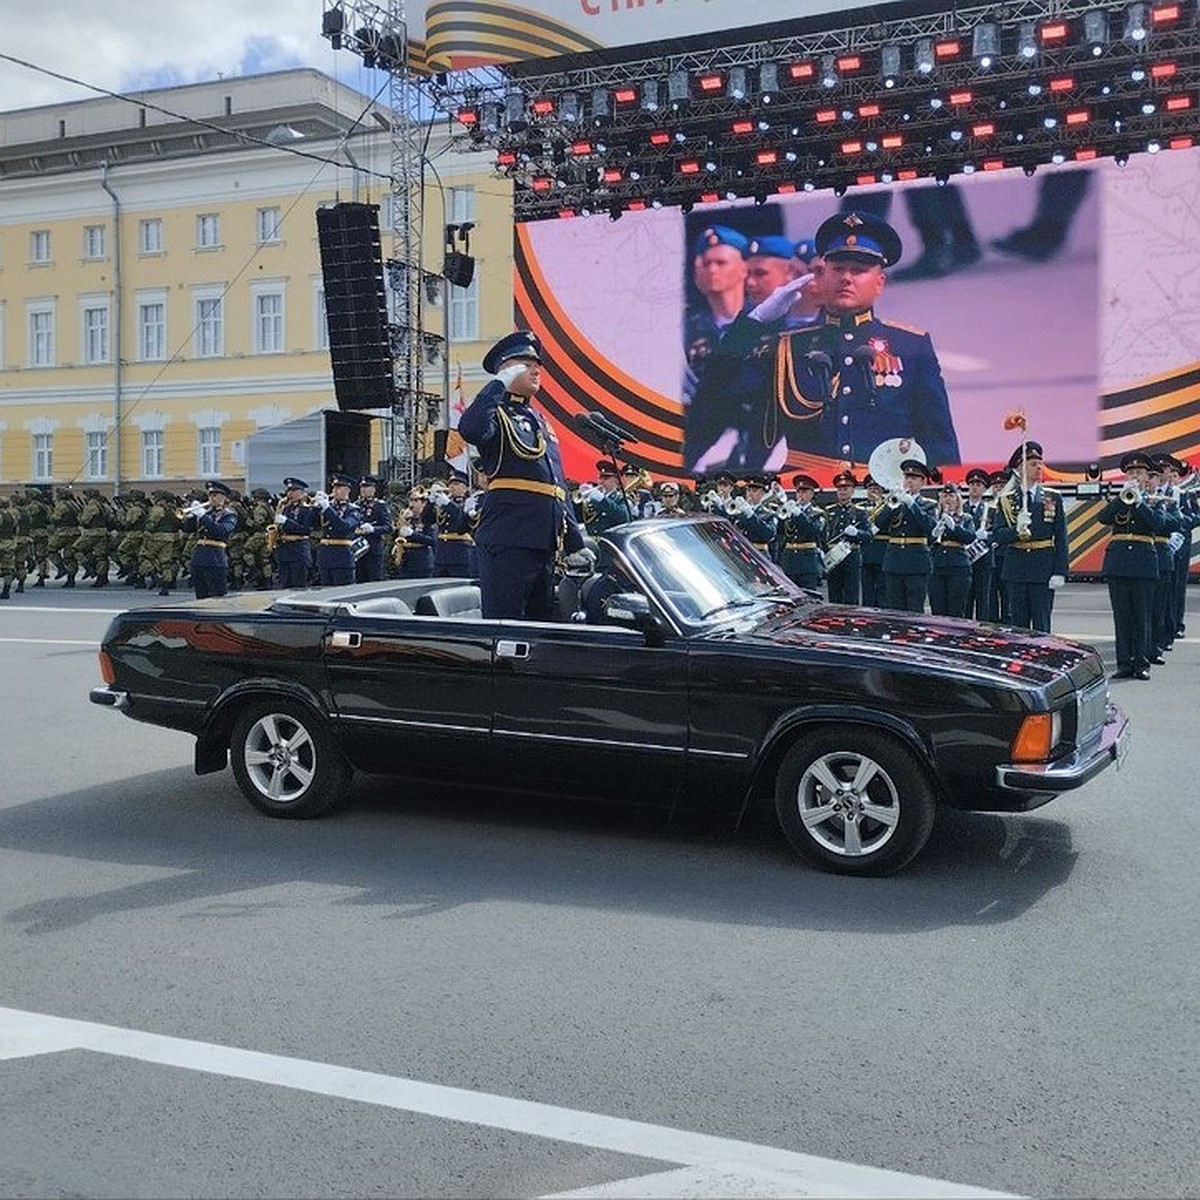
x: 125, y: 45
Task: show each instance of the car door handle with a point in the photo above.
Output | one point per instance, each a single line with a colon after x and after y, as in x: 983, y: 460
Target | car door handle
x: 505, y: 649
x: 344, y: 639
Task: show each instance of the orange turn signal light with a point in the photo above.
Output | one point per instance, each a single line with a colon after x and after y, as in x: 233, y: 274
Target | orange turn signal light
x: 1036, y: 737
x: 106, y: 669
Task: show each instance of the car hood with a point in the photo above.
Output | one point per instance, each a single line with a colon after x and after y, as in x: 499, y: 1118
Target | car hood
x: 943, y: 642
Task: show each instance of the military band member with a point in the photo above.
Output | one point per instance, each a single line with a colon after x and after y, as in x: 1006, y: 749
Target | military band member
x: 1131, y: 568
x: 416, y: 536
x: 605, y: 502
x: 981, y: 512
x: 1166, y: 542
x: 339, y: 520
x: 716, y: 499
x: 525, y: 520
x: 295, y: 520
x: 999, y: 603
x: 1189, y: 519
x: 801, y: 530
x: 953, y: 532
x: 873, y: 545
x: 845, y: 522
x: 908, y: 521
x: 753, y: 515
x: 1032, y: 523
x: 378, y: 517
x: 455, y: 528
x: 212, y: 522
x: 669, y: 500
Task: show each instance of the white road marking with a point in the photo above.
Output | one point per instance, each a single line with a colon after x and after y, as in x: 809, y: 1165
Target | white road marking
x: 53, y: 608
x: 50, y: 642
x: 711, y: 1159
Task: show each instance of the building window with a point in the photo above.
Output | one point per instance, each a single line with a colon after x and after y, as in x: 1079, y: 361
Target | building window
x: 150, y: 239
x: 208, y: 230
x: 210, y: 450
x: 268, y: 323
x: 39, y: 246
x: 93, y: 241
x: 95, y: 334
x: 41, y: 337
x: 152, y: 453
x: 462, y: 204
x: 210, y: 327
x: 43, y: 456
x: 268, y: 225
x: 96, y: 466
x: 464, y: 311
x: 320, y: 319
x: 152, y: 331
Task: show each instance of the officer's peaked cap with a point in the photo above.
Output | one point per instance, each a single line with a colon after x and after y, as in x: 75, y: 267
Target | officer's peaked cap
x: 1032, y: 450
x: 215, y: 485
x: 861, y: 235
x: 292, y: 482
x: 521, y: 344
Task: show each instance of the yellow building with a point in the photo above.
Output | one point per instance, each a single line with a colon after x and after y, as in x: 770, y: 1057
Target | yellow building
x: 161, y: 297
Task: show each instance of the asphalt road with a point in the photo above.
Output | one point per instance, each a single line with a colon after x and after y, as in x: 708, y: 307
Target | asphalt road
x: 469, y: 995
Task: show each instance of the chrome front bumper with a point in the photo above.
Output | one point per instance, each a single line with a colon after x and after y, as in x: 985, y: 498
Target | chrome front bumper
x: 1076, y: 769
x: 108, y: 697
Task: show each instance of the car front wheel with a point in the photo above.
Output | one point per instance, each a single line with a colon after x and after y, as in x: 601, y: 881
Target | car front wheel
x: 854, y: 801
x: 286, y: 761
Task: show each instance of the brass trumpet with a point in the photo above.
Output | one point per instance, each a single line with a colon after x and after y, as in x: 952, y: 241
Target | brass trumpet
x: 1130, y: 494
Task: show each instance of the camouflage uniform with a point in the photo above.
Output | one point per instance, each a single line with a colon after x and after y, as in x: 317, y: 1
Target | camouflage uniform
x: 20, y: 510
x: 161, y: 541
x: 236, y: 549
x: 129, y: 547
x: 64, y: 519
x: 10, y: 542
x: 38, y: 511
x: 91, y: 546
x: 256, y: 560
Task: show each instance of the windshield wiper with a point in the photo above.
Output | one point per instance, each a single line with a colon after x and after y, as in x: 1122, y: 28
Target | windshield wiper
x: 742, y: 603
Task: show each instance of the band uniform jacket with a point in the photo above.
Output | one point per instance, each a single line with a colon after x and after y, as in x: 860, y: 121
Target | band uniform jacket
x: 295, y: 535
x: 339, y: 520
x: 378, y: 514
x: 760, y: 528
x: 908, y: 528
x: 452, y: 551
x: 846, y: 410
x: 837, y: 518
x: 211, y: 527
x: 1044, y: 553
x: 948, y: 553
x: 526, y: 501
x: 800, y: 536
x: 1131, y: 552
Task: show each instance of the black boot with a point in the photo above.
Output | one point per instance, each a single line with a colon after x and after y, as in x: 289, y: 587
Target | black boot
x: 4, y: 594
x: 41, y: 581
x: 20, y: 586
x: 101, y: 580
x: 70, y: 581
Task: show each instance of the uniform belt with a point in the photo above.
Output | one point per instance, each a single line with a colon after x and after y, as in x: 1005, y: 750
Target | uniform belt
x: 528, y: 485
x: 337, y: 541
x: 294, y: 537
x: 761, y: 545
x: 1132, y: 537
x: 211, y: 542
x: 1040, y: 544
x: 799, y: 545
x: 895, y: 541
x: 455, y: 537
x: 1160, y: 541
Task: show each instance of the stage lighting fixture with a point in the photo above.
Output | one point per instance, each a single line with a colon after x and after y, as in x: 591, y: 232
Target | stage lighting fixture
x: 889, y: 64
x: 490, y: 118
x: 829, y: 75
x: 333, y: 22
x: 968, y: 168
x: 839, y: 189
x: 1148, y: 107
x: 614, y: 211
x: 1027, y: 43
x: 1121, y: 159
x: 1164, y: 14
x: 650, y: 95
x: 1136, y: 28
x: 802, y: 72
x: 1028, y: 169
x: 985, y: 44
x: 1058, y: 157
x: 941, y: 178
x: 600, y: 105
x: 923, y: 56
x: 1054, y: 33
x: 1153, y: 146
x: 1095, y: 30
x: 678, y: 88
x: 569, y: 108
x: 514, y: 110
x: 737, y: 83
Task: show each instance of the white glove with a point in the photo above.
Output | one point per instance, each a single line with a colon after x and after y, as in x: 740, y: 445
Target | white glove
x: 738, y: 506
x: 580, y: 559
x: 1175, y: 541
x: 983, y: 535
x: 510, y: 371
x: 949, y: 521
x: 321, y: 500
x: 471, y: 505
x: 1056, y: 581
x: 1023, y: 523
x: 280, y: 519
x: 366, y: 527
x: 196, y: 509
x: 851, y: 531
x: 441, y: 499
x: 405, y: 531
x: 776, y: 305
x: 591, y: 493
x: 908, y: 499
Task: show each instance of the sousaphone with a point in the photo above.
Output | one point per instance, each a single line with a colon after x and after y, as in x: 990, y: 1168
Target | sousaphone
x: 885, y: 460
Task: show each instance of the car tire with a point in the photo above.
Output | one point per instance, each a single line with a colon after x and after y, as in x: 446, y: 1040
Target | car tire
x: 854, y: 800
x: 286, y: 761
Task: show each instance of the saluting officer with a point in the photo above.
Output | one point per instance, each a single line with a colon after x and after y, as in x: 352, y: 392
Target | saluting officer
x: 1032, y: 523
x: 801, y: 528
x: 908, y: 522
x: 525, y: 518
x: 1131, y: 568
x: 953, y: 532
x: 293, y: 553
x: 340, y: 519
x: 213, y: 524
x: 845, y: 522
x: 977, y: 507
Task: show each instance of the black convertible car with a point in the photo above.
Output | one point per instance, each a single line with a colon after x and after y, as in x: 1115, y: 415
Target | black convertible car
x: 687, y: 669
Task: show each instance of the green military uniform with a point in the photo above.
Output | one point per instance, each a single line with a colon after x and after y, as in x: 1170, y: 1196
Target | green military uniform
x: 64, y: 521
x: 38, y: 511
x: 129, y: 546
x: 256, y: 558
x: 160, y: 542
x: 91, y: 546
x: 10, y: 547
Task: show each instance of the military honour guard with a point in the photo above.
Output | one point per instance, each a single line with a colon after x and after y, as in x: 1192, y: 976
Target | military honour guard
x: 339, y: 520
x: 845, y: 531
x: 801, y: 533
x: 908, y: 521
x: 212, y: 522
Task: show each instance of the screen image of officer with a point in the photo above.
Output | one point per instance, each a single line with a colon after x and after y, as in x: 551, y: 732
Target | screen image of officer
x: 525, y: 518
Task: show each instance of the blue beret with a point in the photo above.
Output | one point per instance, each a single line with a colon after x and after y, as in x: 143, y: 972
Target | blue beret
x: 722, y: 235
x: 772, y: 247
x: 859, y: 233
x: 521, y: 344
x: 806, y: 250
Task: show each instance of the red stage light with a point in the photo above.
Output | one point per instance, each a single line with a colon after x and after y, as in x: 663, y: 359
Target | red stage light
x: 660, y: 137
x: 865, y: 179
x: 709, y: 197
x: 825, y: 115
x: 691, y: 167
x: 1181, y: 143
x: 541, y: 183
x: 612, y: 175
x: 961, y: 97
x: 543, y: 107
x: 849, y: 62
x: 565, y: 213
x: 983, y: 129
x: 949, y: 49
x: 1054, y: 32
x: 1163, y: 70
x: 1064, y: 83
x: 711, y: 83
x: 626, y: 95
x: 801, y: 72
x: 868, y: 110
x: 579, y: 148
x: 506, y: 158
x: 767, y: 158
x: 743, y: 127
x: 993, y: 164
x: 1079, y: 116
x: 907, y: 174
x: 893, y: 141
x: 1178, y: 103
x: 467, y: 116
x: 636, y: 205
x: 786, y: 189
x: 1164, y: 14
x: 852, y: 147
x: 1085, y: 155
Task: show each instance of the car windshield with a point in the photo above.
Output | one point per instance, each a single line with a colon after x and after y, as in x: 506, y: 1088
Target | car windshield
x: 706, y: 571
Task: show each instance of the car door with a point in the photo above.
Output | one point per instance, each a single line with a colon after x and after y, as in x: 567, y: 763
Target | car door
x: 590, y: 709
x: 413, y: 695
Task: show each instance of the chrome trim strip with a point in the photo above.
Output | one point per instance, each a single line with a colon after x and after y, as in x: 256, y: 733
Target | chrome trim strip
x: 396, y: 721
x: 554, y: 737
x: 719, y: 754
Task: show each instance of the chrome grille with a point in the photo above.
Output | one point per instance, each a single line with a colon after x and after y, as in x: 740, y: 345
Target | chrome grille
x: 1091, y: 707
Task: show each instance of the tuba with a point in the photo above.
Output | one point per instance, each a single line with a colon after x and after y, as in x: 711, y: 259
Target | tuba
x: 884, y: 466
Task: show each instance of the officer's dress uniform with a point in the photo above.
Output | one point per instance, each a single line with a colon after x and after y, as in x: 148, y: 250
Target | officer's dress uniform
x: 873, y: 548
x: 608, y: 511
x: 950, y: 579
x: 845, y: 580
x: 525, y: 517
x: 210, y: 557
x: 293, y: 551
x: 760, y: 527
x: 1163, y: 621
x: 417, y: 545
x: 801, y: 531
x: 335, y: 558
x: 1131, y: 572
x: 980, y: 600
x: 378, y: 514
x: 1030, y: 562
x: 907, y: 563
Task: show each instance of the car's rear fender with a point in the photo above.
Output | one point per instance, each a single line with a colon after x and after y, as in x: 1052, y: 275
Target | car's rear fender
x: 794, y: 725
x: 212, y: 742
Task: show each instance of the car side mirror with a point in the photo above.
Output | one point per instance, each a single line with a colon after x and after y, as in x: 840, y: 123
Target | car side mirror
x: 632, y: 610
